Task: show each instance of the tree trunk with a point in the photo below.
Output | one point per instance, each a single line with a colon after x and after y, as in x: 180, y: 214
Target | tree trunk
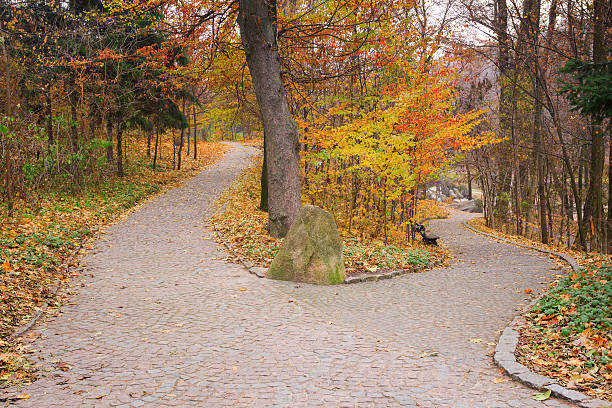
x: 469, y: 180
x: 156, y: 144
x: 609, y: 221
x: 120, y: 150
x: 74, y: 131
x: 195, y: 135
x: 182, y: 140
x: 7, y: 74
x: 173, y: 150
x: 49, y: 106
x: 263, y: 201
x: 186, y: 113
x: 180, y: 148
x: 109, y: 139
x: 595, y: 196
x: 530, y: 28
x: 257, y: 21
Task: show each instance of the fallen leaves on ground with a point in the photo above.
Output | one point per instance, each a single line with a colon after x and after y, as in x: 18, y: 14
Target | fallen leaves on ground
x: 244, y: 228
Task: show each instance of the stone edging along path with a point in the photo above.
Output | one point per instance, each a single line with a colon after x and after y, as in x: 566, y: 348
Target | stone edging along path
x: 506, y: 346
x: 21, y: 330
x: 261, y: 271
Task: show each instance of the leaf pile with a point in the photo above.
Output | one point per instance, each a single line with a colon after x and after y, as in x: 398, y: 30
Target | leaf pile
x: 40, y: 239
x: 243, y: 226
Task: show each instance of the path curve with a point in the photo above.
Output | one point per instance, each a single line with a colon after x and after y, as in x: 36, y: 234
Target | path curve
x: 160, y: 319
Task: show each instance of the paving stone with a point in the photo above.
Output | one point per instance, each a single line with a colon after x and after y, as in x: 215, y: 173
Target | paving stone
x: 190, y: 337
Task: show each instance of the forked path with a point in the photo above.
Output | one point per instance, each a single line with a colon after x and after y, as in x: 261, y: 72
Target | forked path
x: 160, y: 319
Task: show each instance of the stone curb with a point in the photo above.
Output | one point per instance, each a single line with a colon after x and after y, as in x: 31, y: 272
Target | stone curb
x: 389, y: 275
x: 260, y: 272
x: 23, y: 329
x: 506, y: 346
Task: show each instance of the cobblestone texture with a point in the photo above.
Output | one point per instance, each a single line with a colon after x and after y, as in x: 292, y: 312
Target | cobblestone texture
x: 163, y: 320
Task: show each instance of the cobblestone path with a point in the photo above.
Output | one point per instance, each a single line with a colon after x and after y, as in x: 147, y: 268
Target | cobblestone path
x: 161, y: 320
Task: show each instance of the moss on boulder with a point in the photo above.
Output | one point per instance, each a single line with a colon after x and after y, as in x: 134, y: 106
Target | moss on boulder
x: 311, y: 252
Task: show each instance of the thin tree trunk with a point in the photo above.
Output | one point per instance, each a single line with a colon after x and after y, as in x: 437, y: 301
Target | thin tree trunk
x: 49, y: 106
x: 182, y: 140
x: 195, y: 135
x: 469, y: 180
x: 595, y: 196
x: 156, y: 144
x: 120, y: 150
x: 109, y: 139
x: 180, y: 148
x: 263, y: 201
x: 7, y: 79
x: 149, y: 144
x: 609, y: 221
x: 74, y: 131
x: 186, y: 113
x: 257, y: 21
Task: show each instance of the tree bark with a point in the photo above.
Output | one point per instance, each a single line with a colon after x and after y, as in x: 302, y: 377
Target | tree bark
x: 109, y: 139
x: 74, y: 131
x: 257, y: 21
x: 182, y: 140
x: 120, y: 150
x: 186, y: 113
x: 263, y: 201
x: 7, y: 73
x: 195, y: 135
x: 156, y: 145
x: 469, y: 180
x: 595, y: 196
x: 609, y: 221
x: 49, y: 106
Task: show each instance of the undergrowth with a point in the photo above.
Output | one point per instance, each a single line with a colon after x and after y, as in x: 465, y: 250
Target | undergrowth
x: 243, y: 226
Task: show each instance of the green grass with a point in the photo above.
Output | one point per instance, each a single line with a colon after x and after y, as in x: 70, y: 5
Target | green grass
x: 581, y: 300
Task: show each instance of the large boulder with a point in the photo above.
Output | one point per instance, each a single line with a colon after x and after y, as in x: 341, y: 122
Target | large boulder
x: 312, y: 251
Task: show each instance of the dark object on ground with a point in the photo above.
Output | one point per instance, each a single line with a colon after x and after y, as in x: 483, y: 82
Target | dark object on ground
x: 428, y: 238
